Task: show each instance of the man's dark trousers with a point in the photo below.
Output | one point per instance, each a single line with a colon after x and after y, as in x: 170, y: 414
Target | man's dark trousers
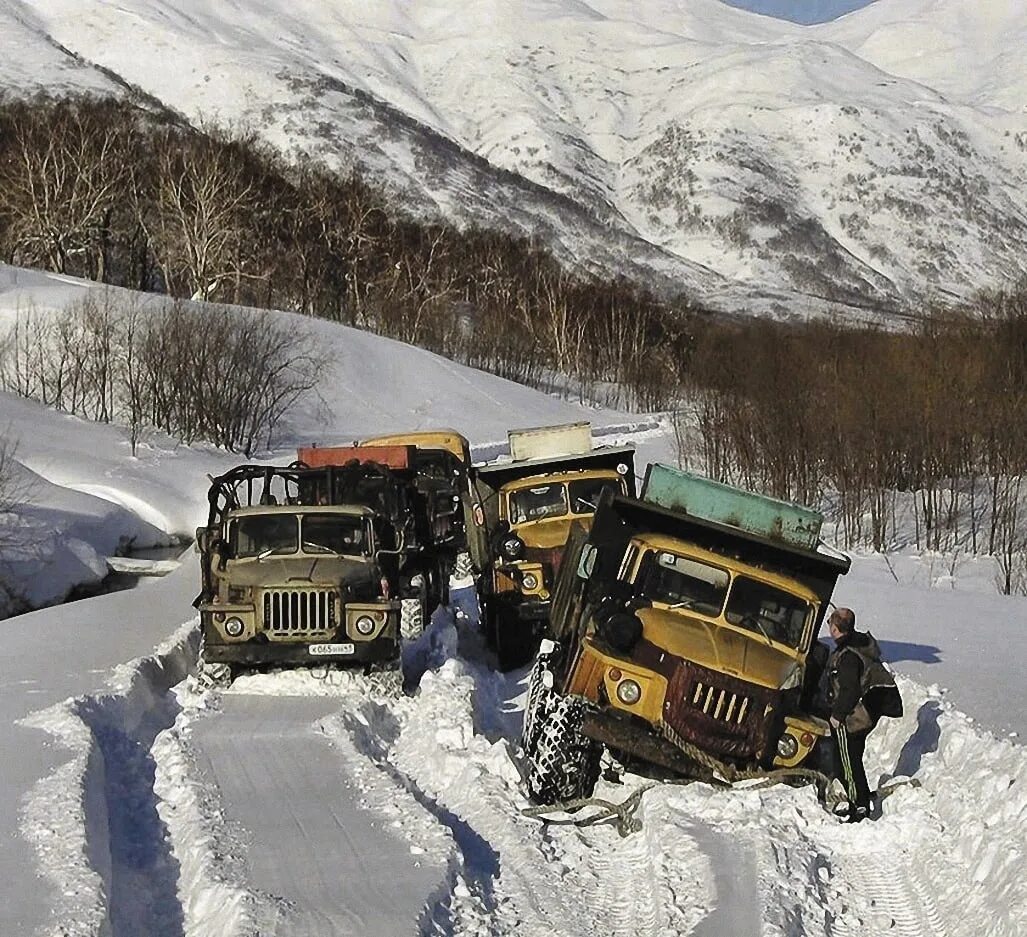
x: 848, y: 765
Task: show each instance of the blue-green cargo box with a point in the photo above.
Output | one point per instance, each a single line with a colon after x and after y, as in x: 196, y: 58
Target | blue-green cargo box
x: 763, y: 516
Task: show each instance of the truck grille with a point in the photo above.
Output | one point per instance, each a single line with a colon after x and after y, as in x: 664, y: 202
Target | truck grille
x: 294, y: 611
x: 720, y: 704
x: 723, y: 715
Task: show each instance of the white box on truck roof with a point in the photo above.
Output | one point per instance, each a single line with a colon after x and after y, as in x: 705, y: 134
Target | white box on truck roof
x: 543, y: 442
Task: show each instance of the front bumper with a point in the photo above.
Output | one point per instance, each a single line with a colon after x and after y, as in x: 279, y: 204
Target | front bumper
x: 257, y: 653
x: 634, y: 736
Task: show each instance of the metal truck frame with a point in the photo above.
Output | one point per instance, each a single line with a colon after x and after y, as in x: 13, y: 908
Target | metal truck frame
x: 523, y: 511
x: 679, y: 640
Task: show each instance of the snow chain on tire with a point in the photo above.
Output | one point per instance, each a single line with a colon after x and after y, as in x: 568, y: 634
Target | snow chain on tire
x: 463, y: 568
x: 386, y: 680
x: 725, y: 776
x: 563, y: 763
x: 411, y: 619
x: 212, y: 676
x: 539, y: 702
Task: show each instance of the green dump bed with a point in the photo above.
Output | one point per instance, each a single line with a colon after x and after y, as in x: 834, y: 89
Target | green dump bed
x: 677, y: 490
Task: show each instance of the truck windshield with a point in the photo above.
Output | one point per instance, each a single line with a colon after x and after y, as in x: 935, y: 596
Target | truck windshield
x: 334, y: 533
x: 532, y: 504
x: 684, y: 583
x: 273, y: 534
x: 586, y: 492
x: 767, y: 610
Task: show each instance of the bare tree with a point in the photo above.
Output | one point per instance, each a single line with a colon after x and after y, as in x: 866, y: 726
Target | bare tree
x: 61, y: 181
x: 203, y: 198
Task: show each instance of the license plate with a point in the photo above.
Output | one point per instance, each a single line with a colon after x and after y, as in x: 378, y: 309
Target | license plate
x: 324, y: 650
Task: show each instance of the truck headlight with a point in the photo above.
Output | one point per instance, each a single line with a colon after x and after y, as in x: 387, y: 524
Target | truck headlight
x: 364, y: 624
x: 234, y: 627
x: 529, y: 581
x: 787, y: 746
x: 629, y: 692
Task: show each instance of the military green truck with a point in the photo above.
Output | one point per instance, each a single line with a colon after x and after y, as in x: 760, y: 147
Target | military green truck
x: 679, y: 636
x: 523, y: 511
x: 330, y: 560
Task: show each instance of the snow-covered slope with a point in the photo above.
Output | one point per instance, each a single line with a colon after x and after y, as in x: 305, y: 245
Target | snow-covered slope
x: 752, y: 161
x: 83, y: 496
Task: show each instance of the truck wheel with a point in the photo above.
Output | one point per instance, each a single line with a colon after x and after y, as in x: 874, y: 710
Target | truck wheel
x: 213, y: 676
x: 411, y: 619
x: 386, y: 679
x: 563, y: 763
x: 539, y: 701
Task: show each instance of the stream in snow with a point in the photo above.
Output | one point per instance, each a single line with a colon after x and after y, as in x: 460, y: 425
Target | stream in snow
x: 128, y: 571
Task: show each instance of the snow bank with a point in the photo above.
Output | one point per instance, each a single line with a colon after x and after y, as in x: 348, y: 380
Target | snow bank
x: 93, y: 823
x: 84, y: 495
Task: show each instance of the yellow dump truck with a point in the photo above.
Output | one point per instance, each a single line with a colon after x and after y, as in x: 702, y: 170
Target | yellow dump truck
x: 523, y: 510
x: 681, y: 627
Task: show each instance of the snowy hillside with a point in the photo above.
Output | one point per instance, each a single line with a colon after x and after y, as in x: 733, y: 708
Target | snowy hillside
x: 755, y: 162
x: 86, y: 497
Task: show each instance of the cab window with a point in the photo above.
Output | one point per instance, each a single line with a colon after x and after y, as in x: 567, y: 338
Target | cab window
x: 334, y: 533
x: 769, y: 611
x: 532, y: 504
x: 586, y: 492
x: 683, y: 583
x: 270, y: 534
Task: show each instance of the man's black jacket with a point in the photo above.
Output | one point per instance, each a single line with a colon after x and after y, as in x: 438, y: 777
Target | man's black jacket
x: 845, y: 672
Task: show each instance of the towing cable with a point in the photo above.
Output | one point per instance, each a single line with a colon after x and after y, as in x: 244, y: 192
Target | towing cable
x: 624, y: 816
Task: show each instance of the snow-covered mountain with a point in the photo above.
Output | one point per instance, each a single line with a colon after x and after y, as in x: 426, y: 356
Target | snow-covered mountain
x: 763, y: 166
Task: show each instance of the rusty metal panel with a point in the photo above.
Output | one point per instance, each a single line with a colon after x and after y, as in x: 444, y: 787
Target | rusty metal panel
x: 757, y: 514
x: 397, y: 457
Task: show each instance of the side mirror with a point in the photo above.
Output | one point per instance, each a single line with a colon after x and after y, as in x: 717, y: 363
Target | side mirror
x: 587, y: 562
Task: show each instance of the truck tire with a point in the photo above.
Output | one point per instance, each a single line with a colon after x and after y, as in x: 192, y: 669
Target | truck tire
x: 539, y: 701
x: 563, y: 763
x: 213, y: 676
x: 386, y: 679
x: 411, y: 619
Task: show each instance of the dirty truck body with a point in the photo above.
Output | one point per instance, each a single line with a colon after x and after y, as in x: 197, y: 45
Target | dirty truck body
x: 523, y: 512
x: 318, y: 561
x: 681, y: 626
x: 442, y: 460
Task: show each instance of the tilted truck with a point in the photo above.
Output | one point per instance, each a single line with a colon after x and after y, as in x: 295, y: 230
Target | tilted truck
x: 523, y: 511
x: 680, y: 629
x: 442, y: 459
x: 329, y: 560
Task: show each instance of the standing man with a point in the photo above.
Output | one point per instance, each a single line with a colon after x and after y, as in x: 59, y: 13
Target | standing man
x: 856, y: 658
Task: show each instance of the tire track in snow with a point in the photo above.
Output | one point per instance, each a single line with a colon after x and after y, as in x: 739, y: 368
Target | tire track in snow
x: 893, y: 897
x: 622, y: 887
x: 334, y: 866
